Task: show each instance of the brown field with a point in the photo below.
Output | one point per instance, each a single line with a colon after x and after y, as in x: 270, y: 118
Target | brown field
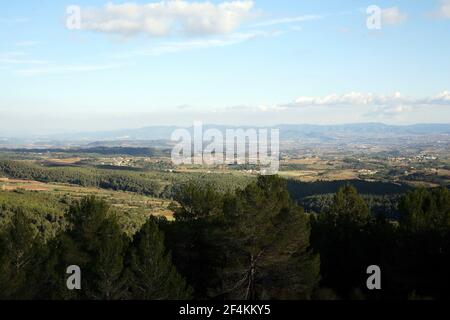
x: 444, y: 173
x: 341, y: 175
x: 314, y: 175
x: 305, y: 161
x: 63, y: 161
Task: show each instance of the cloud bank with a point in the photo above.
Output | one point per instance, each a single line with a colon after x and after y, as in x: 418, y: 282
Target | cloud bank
x: 289, y: 20
x: 443, y: 10
x: 369, y: 99
x: 393, y: 16
x: 173, y: 17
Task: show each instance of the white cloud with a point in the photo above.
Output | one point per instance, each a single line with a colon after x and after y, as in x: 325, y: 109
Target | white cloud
x: 288, y: 20
x: 257, y: 109
x: 442, y: 98
x: 65, y: 69
x: 27, y: 43
x: 395, y: 102
x: 13, y: 20
x: 168, y: 17
x: 21, y: 61
x: 348, y: 99
x: 182, y: 46
x: 366, y: 105
x: 443, y: 10
x: 17, y: 58
x: 12, y: 54
x: 393, y: 16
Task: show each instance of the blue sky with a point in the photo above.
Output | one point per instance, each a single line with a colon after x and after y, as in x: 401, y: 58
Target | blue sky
x: 247, y: 62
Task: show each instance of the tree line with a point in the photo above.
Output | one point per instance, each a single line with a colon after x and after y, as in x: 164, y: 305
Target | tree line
x: 151, y: 183
x: 130, y: 151
x: 113, y: 266
x: 412, y: 252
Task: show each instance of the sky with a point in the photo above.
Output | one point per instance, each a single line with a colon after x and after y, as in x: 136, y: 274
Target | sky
x: 70, y: 66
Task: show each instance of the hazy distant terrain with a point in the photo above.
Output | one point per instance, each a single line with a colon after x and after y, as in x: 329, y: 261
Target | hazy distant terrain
x: 158, y: 136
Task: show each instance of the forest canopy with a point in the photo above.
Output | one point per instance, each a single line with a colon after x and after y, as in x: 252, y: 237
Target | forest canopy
x: 250, y: 243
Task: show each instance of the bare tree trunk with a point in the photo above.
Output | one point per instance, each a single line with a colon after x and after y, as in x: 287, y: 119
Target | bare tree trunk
x: 251, y: 280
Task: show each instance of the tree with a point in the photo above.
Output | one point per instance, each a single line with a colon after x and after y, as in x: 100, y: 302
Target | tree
x: 340, y: 236
x: 197, y: 201
x: 423, y: 210
x: 152, y: 275
x: 193, y: 236
x: 349, y: 208
x: 424, y: 252
x: 266, y: 245
x: 20, y: 251
x: 96, y: 244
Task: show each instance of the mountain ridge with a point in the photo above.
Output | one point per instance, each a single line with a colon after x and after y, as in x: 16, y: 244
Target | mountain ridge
x: 321, y: 133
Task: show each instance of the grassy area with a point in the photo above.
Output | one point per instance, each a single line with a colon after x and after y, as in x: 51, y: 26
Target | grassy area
x: 119, y: 199
x: 131, y: 208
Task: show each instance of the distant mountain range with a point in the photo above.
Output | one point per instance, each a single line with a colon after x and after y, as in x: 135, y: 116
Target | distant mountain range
x: 361, y: 130
x: 286, y: 131
x: 320, y: 133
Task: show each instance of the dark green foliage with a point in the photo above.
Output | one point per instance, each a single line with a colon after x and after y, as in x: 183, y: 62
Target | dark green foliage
x: 132, y: 151
x: 44, y: 212
x: 94, y: 241
x: 413, y: 254
x: 230, y: 240
x: 197, y: 202
x: 348, y: 208
x: 153, y: 277
x: 85, y: 177
x: 341, y: 236
x: 152, y: 183
x: 299, y: 190
x: 267, y: 245
x: 380, y: 205
x: 423, y: 210
x: 253, y: 244
x: 193, y: 237
x: 425, y: 246
x: 19, y: 258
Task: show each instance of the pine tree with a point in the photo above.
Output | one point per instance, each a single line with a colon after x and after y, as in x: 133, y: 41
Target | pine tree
x: 349, y: 208
x: 96, y: 243
x: 424, y: 255
x: 152, y: 275
x: 197, y: 201
x: 20, y: 251
x: 193, y: 238
x: 424, y: 210
x: 340, y: 236
x: 266, y: 245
